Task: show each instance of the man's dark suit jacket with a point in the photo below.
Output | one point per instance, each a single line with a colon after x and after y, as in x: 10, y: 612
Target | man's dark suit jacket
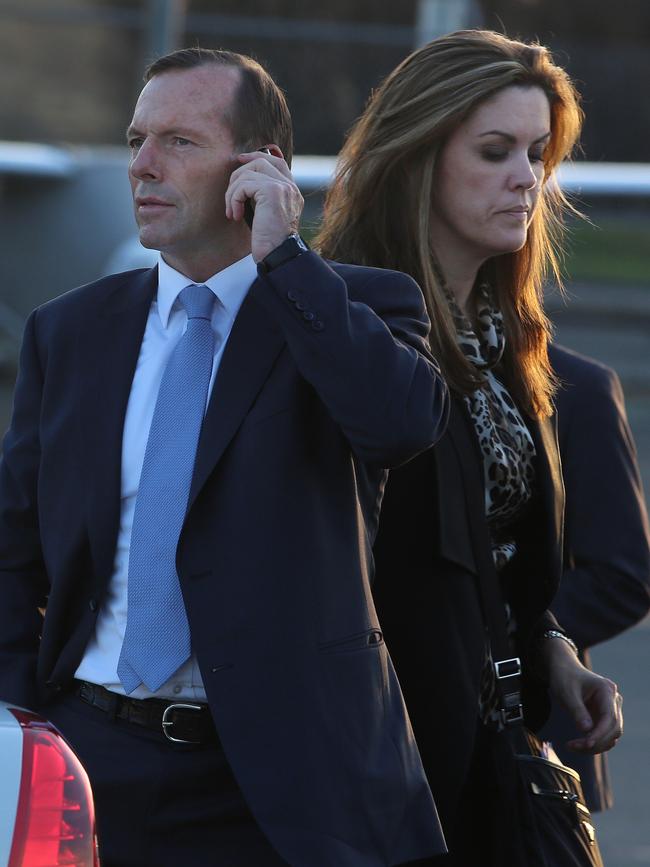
x: 605, y: 585
x: 433, y: 543
x: 314, y: 397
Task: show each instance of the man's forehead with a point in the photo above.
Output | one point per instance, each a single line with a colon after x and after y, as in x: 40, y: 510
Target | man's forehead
x: 205, y: 89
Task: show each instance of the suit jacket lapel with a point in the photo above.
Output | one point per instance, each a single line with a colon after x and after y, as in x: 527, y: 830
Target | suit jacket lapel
x: 252, y: 347
x: 109, y: 346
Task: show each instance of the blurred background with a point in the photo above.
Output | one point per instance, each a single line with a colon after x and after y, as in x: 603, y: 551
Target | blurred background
x: 70, y: 73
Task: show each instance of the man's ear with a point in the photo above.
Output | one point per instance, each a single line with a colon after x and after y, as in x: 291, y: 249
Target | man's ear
x: 274, y: 150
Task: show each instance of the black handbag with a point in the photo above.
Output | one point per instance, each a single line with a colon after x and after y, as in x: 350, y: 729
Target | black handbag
x: 557, y: 828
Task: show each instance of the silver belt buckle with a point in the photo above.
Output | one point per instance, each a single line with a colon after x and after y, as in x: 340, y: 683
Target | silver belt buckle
x: 168, y: 723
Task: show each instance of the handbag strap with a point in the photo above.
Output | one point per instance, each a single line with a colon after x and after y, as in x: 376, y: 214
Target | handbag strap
x: 506, y: 666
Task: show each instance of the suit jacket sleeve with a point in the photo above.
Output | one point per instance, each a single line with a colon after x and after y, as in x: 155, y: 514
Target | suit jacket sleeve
x: 606, y: 582
x: 358, y: 336
x: 23, y: 582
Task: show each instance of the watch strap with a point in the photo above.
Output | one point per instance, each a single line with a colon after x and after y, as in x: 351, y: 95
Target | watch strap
x: 291, y: 247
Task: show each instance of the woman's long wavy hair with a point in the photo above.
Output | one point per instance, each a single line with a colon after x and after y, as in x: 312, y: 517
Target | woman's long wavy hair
x: 378, y: 209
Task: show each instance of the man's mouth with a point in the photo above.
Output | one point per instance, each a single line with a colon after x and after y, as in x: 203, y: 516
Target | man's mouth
x: 151, y: 203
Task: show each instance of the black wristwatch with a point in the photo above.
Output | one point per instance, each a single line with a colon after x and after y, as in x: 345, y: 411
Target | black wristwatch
x: 290, y: 248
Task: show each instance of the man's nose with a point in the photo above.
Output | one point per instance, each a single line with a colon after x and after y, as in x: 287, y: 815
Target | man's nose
x: 145, y: 162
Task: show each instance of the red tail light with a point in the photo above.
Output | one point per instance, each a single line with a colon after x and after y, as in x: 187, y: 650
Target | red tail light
x: 55, y: 820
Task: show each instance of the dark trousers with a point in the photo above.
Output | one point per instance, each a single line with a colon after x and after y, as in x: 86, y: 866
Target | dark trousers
x: 160, y: 804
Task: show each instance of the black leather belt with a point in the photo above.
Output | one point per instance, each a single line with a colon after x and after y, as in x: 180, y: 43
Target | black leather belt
x: 180, y: 721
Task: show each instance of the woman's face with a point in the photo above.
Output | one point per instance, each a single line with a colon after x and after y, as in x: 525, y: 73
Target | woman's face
x: 488, y: 178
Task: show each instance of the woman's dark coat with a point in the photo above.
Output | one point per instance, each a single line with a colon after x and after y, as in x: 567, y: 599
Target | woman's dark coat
x: 432, y: 542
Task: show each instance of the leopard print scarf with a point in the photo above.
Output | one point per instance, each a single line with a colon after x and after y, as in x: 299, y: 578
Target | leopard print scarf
x: 508, y: 454
x: 505, y: 441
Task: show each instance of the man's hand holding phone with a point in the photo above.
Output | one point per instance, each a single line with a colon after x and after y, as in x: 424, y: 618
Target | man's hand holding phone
x: 265, y: 180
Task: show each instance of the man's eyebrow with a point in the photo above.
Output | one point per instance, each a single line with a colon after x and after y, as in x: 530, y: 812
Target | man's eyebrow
x: 511, y: 138
x: 182, y: 131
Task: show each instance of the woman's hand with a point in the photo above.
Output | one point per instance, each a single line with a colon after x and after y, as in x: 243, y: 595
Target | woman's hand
x: 593, y: 701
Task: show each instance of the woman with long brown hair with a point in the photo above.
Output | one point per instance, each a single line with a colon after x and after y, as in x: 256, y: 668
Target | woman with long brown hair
x: 448, y: 176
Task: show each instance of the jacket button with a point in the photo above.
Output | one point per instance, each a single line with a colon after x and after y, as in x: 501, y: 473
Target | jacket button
x: 308, y: 315
x: 93, y: 605
x: 291, y: 295
x: 317, y: 325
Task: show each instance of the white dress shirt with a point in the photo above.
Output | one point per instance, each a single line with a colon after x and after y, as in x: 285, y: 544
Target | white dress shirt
x: 165, y: 326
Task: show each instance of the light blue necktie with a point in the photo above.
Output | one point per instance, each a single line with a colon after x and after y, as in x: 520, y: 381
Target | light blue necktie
x: 157, y: 640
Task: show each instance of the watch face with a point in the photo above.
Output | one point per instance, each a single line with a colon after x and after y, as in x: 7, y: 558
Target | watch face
x: 301, y: 243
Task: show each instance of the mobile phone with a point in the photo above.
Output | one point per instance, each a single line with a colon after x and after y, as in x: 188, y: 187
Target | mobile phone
x: 249, y: 207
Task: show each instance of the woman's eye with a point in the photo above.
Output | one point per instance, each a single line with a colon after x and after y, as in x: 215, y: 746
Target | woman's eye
x: 536, y: 157
x: 495, y: 155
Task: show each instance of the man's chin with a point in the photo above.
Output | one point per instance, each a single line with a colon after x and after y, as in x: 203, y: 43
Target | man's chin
x: 151, y: 240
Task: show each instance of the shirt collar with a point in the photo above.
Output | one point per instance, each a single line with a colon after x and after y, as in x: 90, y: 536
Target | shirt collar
x: 230, y: 286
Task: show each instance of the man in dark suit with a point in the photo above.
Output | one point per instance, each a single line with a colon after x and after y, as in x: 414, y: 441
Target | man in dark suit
x: 605, y: 585
x: 212, y: 650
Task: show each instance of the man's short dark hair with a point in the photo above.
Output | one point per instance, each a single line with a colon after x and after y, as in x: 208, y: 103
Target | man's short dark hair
x: 259, y: 114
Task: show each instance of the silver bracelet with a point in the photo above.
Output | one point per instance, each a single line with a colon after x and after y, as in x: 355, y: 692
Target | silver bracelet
x: 555, y: 633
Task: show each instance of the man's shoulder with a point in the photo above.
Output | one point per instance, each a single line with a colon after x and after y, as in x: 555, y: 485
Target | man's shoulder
x: 577, y: 370
x: 90, y: 294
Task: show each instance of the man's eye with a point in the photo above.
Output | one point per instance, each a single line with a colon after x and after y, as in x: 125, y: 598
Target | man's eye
x: 179, y: 140
x: 135, y: 143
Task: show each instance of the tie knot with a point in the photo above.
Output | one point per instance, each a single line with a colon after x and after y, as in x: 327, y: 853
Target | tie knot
x: 198, y: 301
